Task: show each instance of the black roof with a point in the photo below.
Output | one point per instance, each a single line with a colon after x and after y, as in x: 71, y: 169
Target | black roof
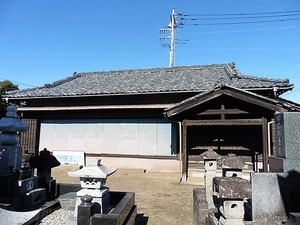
x: 200, y: 78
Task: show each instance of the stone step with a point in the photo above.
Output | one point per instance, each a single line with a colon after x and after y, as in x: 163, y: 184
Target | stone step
x: 192, y: 172
x: 195, y: 181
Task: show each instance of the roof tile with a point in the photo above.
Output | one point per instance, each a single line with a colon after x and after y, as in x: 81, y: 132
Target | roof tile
x: 176, y: 79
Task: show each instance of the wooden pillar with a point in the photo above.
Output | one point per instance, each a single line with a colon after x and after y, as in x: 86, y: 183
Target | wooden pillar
x: 184, y: 152
x: 265, y: 144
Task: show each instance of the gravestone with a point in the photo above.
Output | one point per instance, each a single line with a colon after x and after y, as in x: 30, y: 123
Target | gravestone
x: 287, y: 135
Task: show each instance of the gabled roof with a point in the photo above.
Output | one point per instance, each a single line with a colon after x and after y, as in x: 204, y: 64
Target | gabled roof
x: 279, y: 104
x: 197, y: 79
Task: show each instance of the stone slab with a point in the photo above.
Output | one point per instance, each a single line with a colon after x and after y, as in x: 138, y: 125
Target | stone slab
x: 287, y: 128
x: 267, y: 201
x: 12, y: 217
x: 232, y: 187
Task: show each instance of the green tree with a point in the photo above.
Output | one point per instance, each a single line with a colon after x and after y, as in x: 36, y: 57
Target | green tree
x: 5, y: 86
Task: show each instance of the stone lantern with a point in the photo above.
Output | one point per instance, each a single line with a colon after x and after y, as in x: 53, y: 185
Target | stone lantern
x: 92, y: 180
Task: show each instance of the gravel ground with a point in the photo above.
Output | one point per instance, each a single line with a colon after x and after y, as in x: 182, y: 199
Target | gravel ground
x: 159, y: 197
x: 58, y: 217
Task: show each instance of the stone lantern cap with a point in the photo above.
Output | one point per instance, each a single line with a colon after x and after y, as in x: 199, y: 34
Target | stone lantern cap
x: 92, y: 177
x: 11, y: 123
x: 93, y: 172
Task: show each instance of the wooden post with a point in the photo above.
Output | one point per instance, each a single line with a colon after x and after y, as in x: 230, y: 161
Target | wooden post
x: 265, y: 144
x: 184, y: 152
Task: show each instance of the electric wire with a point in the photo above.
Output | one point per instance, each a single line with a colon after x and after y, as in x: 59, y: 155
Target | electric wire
x: 242, y: 22
x: 246, y: 30
x: 241, y: 18
x: 239, y: 14
x: 16, y: 82
x: 247, y: 18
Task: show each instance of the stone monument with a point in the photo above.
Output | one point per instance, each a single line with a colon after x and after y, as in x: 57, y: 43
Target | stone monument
x: 286, y: 157
x: 18, y: 188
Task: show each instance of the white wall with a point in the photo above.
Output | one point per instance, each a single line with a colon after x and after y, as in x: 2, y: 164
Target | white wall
x: 133, y: 137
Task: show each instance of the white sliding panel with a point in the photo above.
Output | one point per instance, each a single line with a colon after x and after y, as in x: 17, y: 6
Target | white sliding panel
x: 134, y: 137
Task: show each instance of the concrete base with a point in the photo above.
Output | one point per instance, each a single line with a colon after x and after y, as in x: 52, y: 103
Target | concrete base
x: 151, y: 165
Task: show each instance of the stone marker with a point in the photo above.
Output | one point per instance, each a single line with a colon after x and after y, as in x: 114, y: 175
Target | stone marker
x: 287, y: 132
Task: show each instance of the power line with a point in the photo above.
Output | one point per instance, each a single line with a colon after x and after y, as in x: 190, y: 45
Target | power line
x: 179, y: 20
x: 235, y: 19
x: 15, y: 82
x: 242, y: 22
x: 291, y: 92
x: 247, y: 30
x: 239, y: 14
x: 246, y: 17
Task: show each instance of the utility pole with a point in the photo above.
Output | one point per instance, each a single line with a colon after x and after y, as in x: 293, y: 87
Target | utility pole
x: 171, y: 28
x: 172, y: 45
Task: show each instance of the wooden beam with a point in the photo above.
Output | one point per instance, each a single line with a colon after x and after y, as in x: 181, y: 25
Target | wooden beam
x: 215, y: 147
x: 192, y: 102
x: 95, y: 107
x: 223, y: 122
x: 222, y: 112
x: 253, y: 100
x: 219, y: 111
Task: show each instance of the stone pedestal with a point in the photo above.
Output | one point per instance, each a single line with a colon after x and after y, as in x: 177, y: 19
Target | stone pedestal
x: 210, y: 166
x: 101, y: 199
x: 231, y: 193
x: 232, y: 212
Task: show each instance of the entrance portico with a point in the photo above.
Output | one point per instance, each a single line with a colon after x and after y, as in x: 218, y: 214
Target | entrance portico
x: 227, y: 120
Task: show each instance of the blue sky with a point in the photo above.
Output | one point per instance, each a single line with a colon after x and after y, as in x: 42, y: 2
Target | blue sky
x: 42, y: 41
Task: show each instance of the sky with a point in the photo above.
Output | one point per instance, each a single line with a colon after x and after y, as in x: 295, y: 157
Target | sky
x: 42, y: 41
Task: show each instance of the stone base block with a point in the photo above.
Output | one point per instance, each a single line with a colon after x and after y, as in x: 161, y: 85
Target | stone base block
x: 223, y: 221
x: 34, y: 199
x: 100, y: 199
x: 233, y: 209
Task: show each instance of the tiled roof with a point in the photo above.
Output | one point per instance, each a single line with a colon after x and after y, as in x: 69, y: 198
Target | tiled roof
x: 277, y: 102
x: 156, y: 80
